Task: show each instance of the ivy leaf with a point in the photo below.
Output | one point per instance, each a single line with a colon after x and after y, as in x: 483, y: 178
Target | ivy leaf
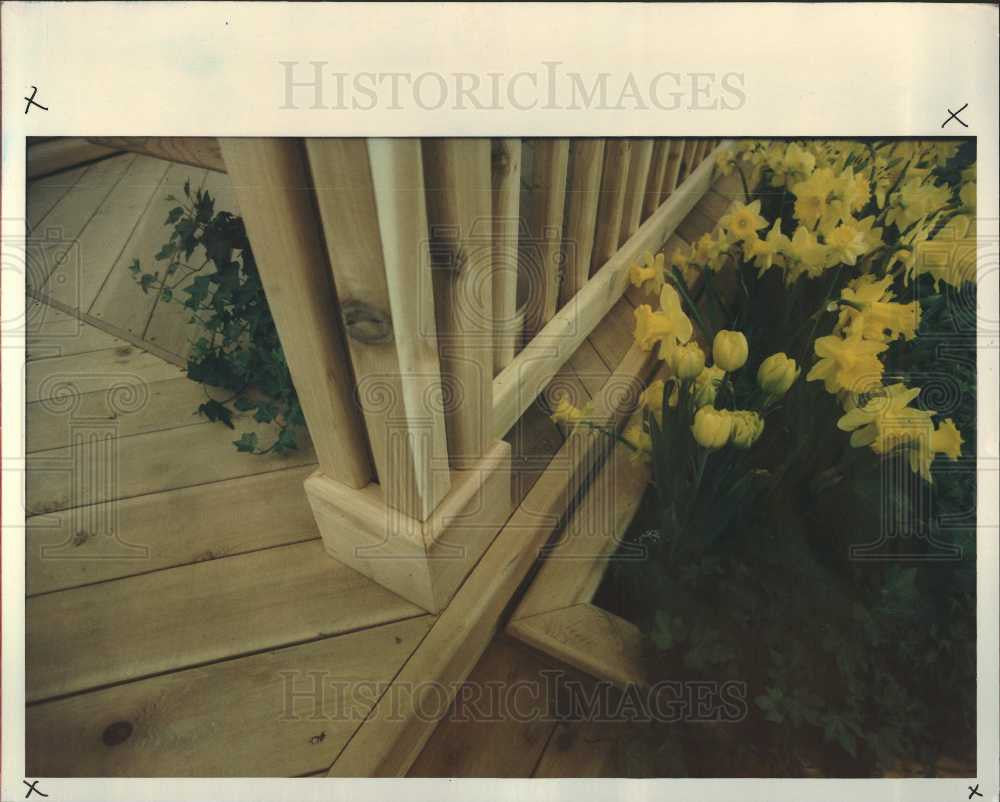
x: 147, y: 281
x: 175, y: 214
x: 135, y: 267
x: 166, y: 252
x: 266, y: 413
x: 244, y: 404
x: 247, y: 442
x: 215, y: 411
x: 187, y: 187
x: 167, y: 295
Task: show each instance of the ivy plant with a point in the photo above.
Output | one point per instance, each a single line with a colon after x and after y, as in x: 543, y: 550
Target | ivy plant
x: 207, y: 266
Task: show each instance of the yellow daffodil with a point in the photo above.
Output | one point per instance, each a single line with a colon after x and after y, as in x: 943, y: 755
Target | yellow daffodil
x: 950, y: 257
x: 852, y: 239
x: 652, y: 399
x: 888, y: 403
x: 712, y: 427
x: 565, y: 412
x: 798, y: 161
x: 807, y: 255
x: 725, y: 162
x: 669, y: 326
x: 777, y: 374
x: 648, y: 275
x: 847, y: 364
x: 730, y: 350
x: 811, y: 196
x: 766, y: 252
x: 640, y: 441
x: 710, y: 252
x: 872, y: 314
x: 914, y: 200
x: 743, y: 221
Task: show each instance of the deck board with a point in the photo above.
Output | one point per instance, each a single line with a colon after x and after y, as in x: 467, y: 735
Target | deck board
x: 121, y: 302
x: 226, y: 719
x: 76, y: 283
x: 52, y: 332
x: 175, y: 527
x: 194, y: 614
x: 146, y: 463
x: 45, y: 193
x: 55, y: 235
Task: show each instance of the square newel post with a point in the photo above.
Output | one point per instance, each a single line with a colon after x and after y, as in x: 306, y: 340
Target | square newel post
x: 422, y: 366
x: 271, y: 180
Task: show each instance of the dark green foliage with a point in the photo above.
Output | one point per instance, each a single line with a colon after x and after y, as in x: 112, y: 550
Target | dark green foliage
x: 238, y: 349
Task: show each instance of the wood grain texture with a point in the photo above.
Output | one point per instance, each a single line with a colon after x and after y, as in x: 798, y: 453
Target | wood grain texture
x: 75, y: 283
x: 421, y: 561
x: 671, y: 175
x: 51, y: 332
x: 459, y: 186
x: 150, y: 534
x: 197, y: 151
x: 273, y: 189
x: 120, y: 301
x: 142, y: 625
x: 282, y: 713
x: 614, y: 184
x: 588, y: 638
x: 54, y: 240
x: 100, y: 467
x: 506, y: 166
x: 657, y: 173
x: 44, y: 193
x: 635, y: 191
x: 541, y: 261
x: 486, y: 733
x: 394, y: 366
x: 583, y: 195
x: 94, y: 371
x: 61, y: 153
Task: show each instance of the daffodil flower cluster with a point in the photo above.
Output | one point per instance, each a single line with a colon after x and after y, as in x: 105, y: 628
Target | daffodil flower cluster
x: 865, y: 219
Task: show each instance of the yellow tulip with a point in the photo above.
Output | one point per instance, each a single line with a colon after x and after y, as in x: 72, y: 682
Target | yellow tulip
x: 776, y: 374
x: 706, y: 385
x: 747, y: 427
x: 712, y: 427
x: 730, y: 350
x: 687, y: 361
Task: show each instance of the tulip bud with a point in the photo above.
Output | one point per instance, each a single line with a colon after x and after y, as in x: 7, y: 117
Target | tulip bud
x: 776, y: 374
x: 730, y: 350
x: 687, y: 361
x: 706, y: 386
x: 747, y: 428
x: 712, y: 427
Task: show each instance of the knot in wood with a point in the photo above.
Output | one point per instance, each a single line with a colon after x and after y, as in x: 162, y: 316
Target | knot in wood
x: 365, y: 323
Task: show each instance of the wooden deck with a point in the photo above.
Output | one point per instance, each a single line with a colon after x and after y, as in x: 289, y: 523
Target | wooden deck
x: 91, y: 222
x: 182, y: 617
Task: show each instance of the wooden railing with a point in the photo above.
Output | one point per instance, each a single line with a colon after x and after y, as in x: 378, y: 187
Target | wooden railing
x: 425, y: 292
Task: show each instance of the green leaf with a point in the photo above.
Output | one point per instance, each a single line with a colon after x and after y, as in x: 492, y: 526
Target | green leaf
x: 166, y: 252
x: 134, y: 266
x: 244, y: 404
x: 175, y: 214
x: 215, y: 411
x: 146, y: 281
x: 247, y: 442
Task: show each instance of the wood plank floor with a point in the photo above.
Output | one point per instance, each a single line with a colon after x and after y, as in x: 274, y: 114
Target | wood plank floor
x: 180, y: 608
x: 88, y: 224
